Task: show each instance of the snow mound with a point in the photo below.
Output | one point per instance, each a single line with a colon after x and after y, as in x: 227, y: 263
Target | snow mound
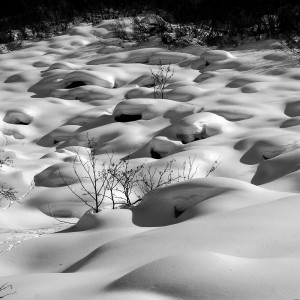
x: 83, y: 77
x: 197, y: 127
x: 147, y: 109
x: 185, y: 93
x: 17, y: 117
x: 166, y: 58
x: 206, y: 75
x: 219, y: 277
x: 277, y: 167
x: 230, y: 63
x: 62, y: 66
x: 212, y: 56
x: 54, y: 176
x: 239, y: 82
x: 177, y: 201
x: 133, y: 56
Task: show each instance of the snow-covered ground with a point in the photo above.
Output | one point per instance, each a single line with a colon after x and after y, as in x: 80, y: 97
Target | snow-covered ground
x: 237, y: 233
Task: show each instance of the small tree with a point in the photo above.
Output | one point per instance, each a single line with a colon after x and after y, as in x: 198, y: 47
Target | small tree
x: 161, y: 78
x: 99, y: 179
x: 109, y: 180
x: 124, y: 180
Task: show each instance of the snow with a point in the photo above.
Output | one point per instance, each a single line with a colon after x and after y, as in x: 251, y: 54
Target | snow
x: 231, y: 232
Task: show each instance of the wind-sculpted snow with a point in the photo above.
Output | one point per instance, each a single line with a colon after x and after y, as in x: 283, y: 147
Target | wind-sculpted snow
x: 226, y: 134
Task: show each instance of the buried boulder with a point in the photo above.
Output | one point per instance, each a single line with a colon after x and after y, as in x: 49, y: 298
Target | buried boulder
x: 212, y: 56
x: 17, y: 117
x: 197, y: 127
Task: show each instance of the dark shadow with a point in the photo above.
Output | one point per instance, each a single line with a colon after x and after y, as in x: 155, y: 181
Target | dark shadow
x: 15, y: 78
x: 155, y: 154
x: 128, y: 118
x: 292, y: 109
x: 75, y: 84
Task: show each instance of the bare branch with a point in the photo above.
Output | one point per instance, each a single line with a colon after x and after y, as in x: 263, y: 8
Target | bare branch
x: 7, y: 289
x: 161, y: 78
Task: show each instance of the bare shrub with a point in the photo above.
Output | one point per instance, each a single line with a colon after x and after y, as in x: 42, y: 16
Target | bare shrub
x: 125, y: 179
x: 112, y: 181
x: 95, y: 176
x: 151, y: 178
x: 118, y: 182
x: 160, y: 79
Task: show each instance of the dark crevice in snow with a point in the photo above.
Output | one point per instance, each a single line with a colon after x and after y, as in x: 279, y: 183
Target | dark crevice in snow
x: 127, y: 118
x: 155, y: 154
x: 75, y: 84
x: 116, y: 85
x: 177, y: 212
x: 20, y: 123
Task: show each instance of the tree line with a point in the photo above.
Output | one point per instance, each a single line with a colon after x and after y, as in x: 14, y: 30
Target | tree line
x: 236, y: 17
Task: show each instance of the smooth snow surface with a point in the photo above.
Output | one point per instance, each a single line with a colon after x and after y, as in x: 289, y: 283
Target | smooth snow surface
x: 232, y: 235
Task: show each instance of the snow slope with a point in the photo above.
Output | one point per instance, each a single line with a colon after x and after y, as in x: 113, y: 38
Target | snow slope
x: 231, y: 235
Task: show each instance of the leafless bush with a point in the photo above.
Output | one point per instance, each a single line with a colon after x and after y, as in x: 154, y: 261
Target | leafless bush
x: 151, y: 178
x: 160, y: 79
x: 125, y: 180
x: 118, y: 182
x: 95, y: 176
x: 112, y: 181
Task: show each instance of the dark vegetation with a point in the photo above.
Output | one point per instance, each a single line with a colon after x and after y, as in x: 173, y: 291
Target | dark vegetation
x: 223, y: 21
